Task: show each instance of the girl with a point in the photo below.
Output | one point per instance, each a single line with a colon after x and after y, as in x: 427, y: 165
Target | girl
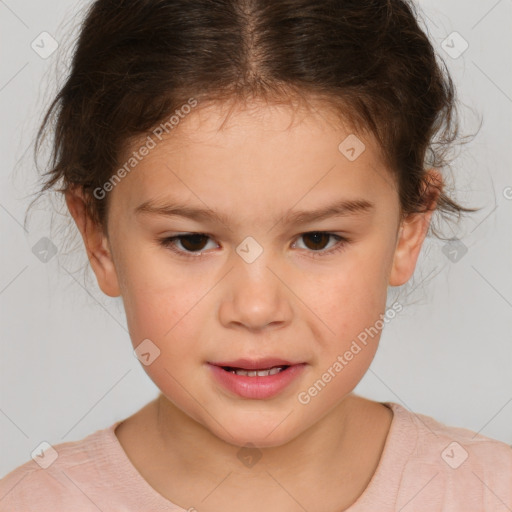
x: 251, y: 177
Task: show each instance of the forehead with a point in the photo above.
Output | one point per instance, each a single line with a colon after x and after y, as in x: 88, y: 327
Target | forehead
x: 257, y: 157
x: 230, y: 122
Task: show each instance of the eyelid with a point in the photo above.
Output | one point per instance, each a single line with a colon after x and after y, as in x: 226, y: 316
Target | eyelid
x: 168, y: 242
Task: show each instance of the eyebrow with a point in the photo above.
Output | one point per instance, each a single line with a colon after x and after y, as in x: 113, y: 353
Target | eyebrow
x: 336, y: 209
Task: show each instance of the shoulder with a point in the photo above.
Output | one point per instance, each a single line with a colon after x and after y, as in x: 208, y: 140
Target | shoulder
x: 56, y: 477
x: 456, y: 463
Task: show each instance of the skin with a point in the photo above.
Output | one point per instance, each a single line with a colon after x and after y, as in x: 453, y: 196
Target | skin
x: 291, y: 302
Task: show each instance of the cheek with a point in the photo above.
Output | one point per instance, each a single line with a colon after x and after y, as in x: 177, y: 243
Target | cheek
x: 157, y: 296
x: 354, y: 296
x: 167, y: 313
x: 351, y: 306
x: 160, y: 312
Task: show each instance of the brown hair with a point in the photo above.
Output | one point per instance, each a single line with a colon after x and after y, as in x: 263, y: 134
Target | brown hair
x: 137, y: 61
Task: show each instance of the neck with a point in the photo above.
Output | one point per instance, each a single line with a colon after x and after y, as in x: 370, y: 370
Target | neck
x: 333, y: 460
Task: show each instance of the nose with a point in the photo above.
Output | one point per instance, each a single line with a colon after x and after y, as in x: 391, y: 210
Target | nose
x: 254, y: 296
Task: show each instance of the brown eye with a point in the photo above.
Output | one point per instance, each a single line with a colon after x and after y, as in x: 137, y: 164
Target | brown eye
x: 316, y: 243
x: 318, y: 240
x: 193, y: 243
x: 190, y: 244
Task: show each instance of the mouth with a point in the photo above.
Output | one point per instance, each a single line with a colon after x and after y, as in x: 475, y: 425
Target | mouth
x: 256, y: 379
x: 263, y: 372
x: 261, y: 364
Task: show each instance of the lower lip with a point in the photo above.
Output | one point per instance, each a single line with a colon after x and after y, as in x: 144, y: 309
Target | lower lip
x: 257, y: 387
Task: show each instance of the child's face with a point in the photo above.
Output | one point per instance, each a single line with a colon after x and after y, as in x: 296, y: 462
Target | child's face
x: 295, y: 301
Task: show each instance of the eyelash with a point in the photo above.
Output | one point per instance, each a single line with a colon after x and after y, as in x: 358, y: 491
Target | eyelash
x: 168, y: 243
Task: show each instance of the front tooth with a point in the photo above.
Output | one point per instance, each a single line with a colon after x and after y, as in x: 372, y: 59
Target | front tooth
x: 259, y: 373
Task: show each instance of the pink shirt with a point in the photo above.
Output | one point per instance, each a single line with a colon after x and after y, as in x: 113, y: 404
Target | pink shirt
x: 426, y: 466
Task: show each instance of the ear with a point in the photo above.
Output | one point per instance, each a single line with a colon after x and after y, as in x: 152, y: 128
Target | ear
x: 96, y: 243
x: 412, y: 232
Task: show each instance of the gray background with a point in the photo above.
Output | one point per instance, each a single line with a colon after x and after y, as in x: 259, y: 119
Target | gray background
x: 66, y: 362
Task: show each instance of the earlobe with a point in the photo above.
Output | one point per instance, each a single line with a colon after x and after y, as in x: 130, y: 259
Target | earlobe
x: 96, y: 243
x: 412, y: 232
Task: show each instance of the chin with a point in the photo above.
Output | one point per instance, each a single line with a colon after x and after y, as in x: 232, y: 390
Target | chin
x: 261, y: 434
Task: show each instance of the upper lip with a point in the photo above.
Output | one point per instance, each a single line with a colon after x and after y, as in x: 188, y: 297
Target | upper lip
x: 255, y: 364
